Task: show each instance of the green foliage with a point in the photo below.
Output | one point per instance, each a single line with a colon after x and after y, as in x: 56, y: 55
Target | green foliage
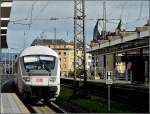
x: 78, y: 73
x: 91, y: 105
x: 71, y: 74
x: 65, y: 94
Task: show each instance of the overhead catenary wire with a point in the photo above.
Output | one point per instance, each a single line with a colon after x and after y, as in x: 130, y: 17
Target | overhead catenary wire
x: 30, y: 20
x: 140, y: 12
x: 42, y: 9
x: 46, y: 4
x: 26, y: 32
x: 31, y: 14
x: 53, y: 19
x: 108, y: 20
x: 32, y: 8
x: 122, y: 9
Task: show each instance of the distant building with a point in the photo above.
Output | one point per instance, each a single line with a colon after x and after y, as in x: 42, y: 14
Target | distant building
x: 64, y: 49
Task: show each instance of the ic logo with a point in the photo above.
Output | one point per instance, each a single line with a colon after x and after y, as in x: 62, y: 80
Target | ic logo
x: 39, y: 79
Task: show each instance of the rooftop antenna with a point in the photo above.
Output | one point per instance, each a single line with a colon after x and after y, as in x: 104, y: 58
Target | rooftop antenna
x: 104, y: 19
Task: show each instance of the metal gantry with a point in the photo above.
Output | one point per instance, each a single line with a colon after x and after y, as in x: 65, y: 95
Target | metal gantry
x: 79, y: 41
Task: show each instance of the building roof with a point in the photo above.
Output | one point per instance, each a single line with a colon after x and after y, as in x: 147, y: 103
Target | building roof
x: 131, y: 39
x: 49, y: 42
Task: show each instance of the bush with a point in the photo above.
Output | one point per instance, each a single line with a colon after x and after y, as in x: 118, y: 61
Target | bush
x: 79, y: 72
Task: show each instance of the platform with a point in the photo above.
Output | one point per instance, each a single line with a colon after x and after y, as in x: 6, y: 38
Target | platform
x: 116, y: 83
x: 10, y: 103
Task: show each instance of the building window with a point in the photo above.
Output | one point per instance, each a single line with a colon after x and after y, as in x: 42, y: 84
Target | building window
x: 64, y: 53
x: 60, y: 59
x: 64, y: 65
x: 59, y: 53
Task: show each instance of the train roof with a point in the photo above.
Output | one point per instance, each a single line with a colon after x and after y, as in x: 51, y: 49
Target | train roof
x: 38, y: 50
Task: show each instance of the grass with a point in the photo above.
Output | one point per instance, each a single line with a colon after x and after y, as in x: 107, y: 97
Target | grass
x: 90, y: 105
x: 65, y: 94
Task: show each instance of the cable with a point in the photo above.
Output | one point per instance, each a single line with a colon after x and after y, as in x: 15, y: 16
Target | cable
x: 141, y: 8
x: 42, y: 9
x: 122, y: 9
x: 56, y: 18
x: 32, y: 8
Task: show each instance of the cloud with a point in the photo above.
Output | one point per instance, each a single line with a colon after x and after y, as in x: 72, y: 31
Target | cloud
x: 44, y: 10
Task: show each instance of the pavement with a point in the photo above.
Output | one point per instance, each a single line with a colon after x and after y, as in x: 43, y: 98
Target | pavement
x: 9, y: 101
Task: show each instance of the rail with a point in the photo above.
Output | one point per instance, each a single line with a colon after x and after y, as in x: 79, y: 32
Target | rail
x: 132, y: 97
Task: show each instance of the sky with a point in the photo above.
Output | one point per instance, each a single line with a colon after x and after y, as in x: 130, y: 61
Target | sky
x: 39, y: 13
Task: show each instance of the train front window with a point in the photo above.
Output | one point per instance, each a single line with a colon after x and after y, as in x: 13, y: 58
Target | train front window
x: 39, y: 63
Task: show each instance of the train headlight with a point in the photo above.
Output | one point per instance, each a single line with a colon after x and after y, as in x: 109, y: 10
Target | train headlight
x: 52, y: 79
x: 27, y: 79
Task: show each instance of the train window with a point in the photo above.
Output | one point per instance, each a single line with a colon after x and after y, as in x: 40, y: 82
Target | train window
x: 39, y: 63
x: 64, y: 65
x: 64, y: 59
x: 30, y: 59
x: 64, y: 53
x: 47, y: 58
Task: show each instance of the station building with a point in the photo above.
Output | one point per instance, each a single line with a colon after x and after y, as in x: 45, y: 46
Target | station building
x: 126, y: 54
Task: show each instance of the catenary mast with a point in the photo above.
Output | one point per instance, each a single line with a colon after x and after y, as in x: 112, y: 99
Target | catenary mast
x: 79, y: 41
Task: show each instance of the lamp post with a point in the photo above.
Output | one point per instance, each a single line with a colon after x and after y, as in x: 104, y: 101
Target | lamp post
x: 12, y: 64
x: 5, y: 63
x: 9, y: 60
x: 12, y: 59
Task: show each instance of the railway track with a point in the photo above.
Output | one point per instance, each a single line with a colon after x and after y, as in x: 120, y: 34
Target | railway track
x: 40, y: 107
x: 133, y: 98
x: 46, y: 108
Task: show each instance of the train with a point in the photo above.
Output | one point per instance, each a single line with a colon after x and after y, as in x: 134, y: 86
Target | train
x: 37, y: 70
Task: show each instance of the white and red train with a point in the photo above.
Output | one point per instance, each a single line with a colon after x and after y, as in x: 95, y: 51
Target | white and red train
x: 37, y: 71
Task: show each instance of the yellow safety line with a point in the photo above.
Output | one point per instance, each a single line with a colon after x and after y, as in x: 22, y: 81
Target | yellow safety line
x: 21, y: 106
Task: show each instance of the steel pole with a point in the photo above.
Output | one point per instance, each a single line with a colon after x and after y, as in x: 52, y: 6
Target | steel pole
x: 12, y: 64
x: 108, y: 97
x: 5, y: 63
x: 75, y: 35
x: 84, y: 47
x: 9, y: 59
x: 95, y: 66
